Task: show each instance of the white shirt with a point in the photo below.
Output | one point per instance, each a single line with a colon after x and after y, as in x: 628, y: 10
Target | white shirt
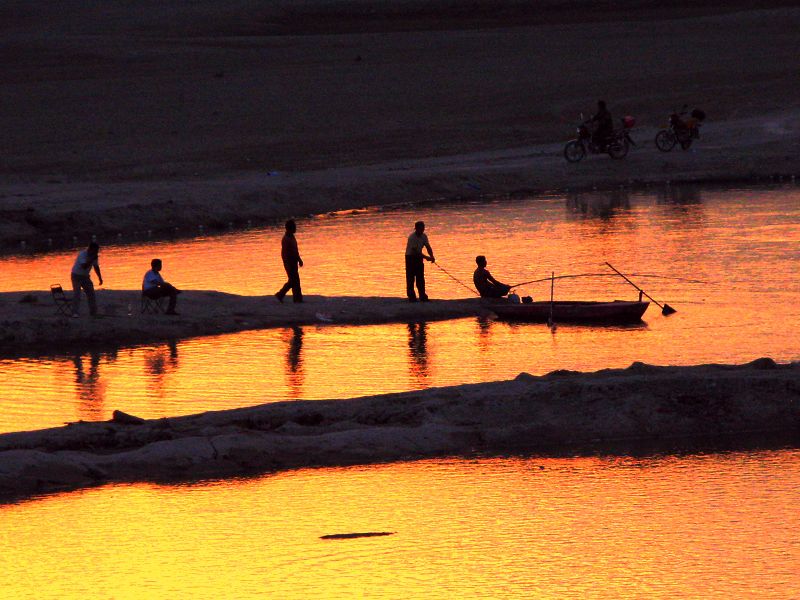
x: 152, y: 279
x: 415, y: 244
x: 83, y: 266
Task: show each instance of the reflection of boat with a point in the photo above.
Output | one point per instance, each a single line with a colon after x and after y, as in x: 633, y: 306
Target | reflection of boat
x: 565, y: 311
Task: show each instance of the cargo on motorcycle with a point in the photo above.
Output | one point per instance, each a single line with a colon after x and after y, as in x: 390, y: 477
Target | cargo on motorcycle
x: 680, y: 130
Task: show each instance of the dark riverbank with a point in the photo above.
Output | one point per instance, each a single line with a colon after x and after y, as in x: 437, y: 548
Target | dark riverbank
x: 34, y: 328
x: 177, y: 117
x: 553, y: 413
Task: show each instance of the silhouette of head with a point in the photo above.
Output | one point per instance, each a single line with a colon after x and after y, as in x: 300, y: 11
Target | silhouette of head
x: 94, y: 248
x: 291, y: 226
x: 419, y: 227
x: 156, y: 264
x: 481, y: 260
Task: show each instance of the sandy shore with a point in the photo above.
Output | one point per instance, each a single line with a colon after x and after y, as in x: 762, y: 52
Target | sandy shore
x: 34, y: 328
x: 558, y: 412
x: 128, y: 119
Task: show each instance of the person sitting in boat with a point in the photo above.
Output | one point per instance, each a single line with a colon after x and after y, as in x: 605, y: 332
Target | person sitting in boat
x: 487, y: 286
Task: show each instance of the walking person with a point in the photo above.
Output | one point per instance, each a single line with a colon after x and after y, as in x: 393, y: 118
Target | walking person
x: 290, y: 255
x: 81, y: 280
x: 415, y: 267
x: 154, y: 286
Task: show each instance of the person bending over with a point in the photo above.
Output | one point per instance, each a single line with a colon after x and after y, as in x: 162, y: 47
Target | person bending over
x: 81, y: 270
x: 487, y: 286
x: 154, y: 286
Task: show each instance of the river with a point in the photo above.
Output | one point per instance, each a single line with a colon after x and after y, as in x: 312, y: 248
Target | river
x: 711, y: 525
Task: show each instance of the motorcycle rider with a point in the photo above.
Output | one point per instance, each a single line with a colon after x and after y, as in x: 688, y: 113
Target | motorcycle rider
x: 603, y: 125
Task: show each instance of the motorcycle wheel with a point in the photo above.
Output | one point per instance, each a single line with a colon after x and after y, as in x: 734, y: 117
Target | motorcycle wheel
x: 665, y: 141
x: 574, y: 151
x: 618, y: 149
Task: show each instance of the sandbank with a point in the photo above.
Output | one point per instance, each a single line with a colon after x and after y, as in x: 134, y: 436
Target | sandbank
x: 562, y: 411
x: 162, y: 118
x: 30, y: 325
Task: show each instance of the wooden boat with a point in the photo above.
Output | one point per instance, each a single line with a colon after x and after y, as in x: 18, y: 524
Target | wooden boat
x: 568, y: 311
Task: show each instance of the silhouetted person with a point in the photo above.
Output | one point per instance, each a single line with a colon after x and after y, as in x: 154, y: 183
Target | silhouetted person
x: 487, y: 286
x: 81, y: 270
x: 291, y: 262
x: 154, y: 286
x: 415, y: 267
x: 604, y: 125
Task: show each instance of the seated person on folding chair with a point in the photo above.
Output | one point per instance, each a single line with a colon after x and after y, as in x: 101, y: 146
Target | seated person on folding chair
x: 154, y: 286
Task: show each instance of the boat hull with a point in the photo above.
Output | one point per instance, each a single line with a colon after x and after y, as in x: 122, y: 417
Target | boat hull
x: 618, y: 311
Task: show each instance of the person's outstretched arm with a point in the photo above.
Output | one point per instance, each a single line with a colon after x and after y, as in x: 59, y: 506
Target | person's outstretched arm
x: 97, y: 270
x: 430, y: 252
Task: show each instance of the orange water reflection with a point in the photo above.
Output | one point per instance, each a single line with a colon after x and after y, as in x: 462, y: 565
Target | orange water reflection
x: 713, y: 526
x: 745, y: 243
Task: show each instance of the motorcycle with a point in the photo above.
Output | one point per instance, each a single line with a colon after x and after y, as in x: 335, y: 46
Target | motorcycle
x: 680, y: 131
x: 616, y: 145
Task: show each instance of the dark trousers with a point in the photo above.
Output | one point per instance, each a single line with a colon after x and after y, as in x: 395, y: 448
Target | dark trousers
x: 293, y: 272
x: 85, y: 282
x: 164, y: 290
x: 415, y: 272
x: 494, y: 291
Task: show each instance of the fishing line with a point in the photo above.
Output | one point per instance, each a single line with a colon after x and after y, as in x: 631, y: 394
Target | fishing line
x: 458, y: 281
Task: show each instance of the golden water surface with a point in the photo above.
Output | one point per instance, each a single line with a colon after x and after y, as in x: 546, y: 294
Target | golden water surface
x: 743, y: 244
x: 703, y: 526
x: 721, y: 525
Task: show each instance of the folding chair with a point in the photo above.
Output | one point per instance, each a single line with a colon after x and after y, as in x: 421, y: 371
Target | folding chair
x: 61, y: 300
x: 149, y: 306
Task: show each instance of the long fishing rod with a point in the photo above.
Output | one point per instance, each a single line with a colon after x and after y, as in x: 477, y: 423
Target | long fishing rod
x: 683, y: 279
x: 458, y: 281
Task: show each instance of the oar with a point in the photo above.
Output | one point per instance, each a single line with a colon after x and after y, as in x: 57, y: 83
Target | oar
x: 550, y: 323
x: 666, y: 309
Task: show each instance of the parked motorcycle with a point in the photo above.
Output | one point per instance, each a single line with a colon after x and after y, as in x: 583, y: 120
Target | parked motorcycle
x: 616, y: 145
x: 680, y: 131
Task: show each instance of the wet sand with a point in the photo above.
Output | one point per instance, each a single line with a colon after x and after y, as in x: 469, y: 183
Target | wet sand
x: 35, y: 328
x: 132, y: 119
x: 557, y: 413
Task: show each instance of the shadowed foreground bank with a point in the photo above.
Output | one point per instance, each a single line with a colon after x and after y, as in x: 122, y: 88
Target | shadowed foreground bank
x: 35, y: 328
x: 556, y: 412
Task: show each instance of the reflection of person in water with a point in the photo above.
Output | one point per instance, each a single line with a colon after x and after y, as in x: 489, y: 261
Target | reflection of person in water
x: 418, y: 349
x: 158, y: 363
x: 162, y: 360
x: 89, y: 387
x: 294, y: 362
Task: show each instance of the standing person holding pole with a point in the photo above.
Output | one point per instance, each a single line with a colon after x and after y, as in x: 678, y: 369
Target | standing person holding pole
x: 415, y: 267
x: 290, y: 255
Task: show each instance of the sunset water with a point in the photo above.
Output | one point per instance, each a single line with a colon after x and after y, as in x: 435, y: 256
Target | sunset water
x: 712, y: 525
x: 725, y: 259
x: 358, y: 446
x: 695, y: 526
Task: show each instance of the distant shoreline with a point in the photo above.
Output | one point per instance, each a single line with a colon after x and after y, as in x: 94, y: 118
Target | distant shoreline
x: 132, y: 120
x: 136, y: 212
